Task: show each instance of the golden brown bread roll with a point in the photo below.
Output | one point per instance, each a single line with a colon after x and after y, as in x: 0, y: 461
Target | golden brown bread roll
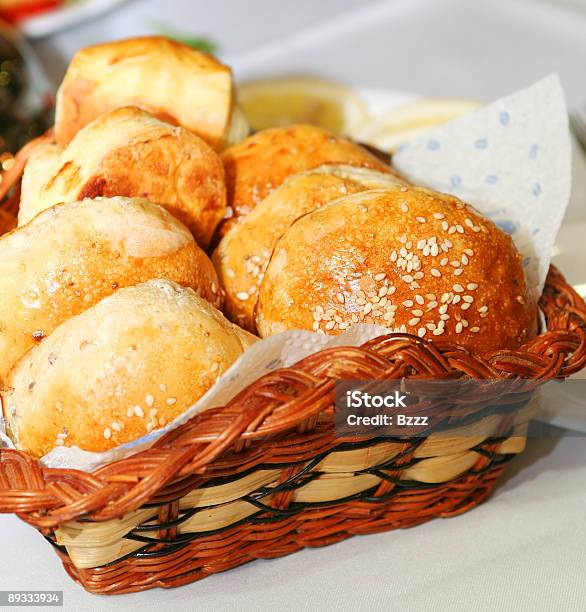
x: 259, y: 164
x: 243, y: 254
x: 128, y: 365
x: 7, y: 222
x: 128, y: 152
x: 410, y: 259
x: 172, y: 81
x: 72, y: 255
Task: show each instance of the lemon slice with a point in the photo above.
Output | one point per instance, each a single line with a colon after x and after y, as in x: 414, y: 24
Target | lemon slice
x: 391, y: 129
x: 284, y: 101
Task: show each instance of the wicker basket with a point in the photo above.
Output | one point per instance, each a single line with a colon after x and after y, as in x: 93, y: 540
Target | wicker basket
x: 266, y: 475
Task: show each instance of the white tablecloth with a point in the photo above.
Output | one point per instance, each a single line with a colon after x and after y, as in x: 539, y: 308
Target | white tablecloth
x: 526, y: 548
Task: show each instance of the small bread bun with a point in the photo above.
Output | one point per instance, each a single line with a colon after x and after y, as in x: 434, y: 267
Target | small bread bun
x: 259, y: 164
x: 172, y: 81
x: 72, y: 255
x: 126, y: 366
x: 243, y: 254
x: 410, y: 259
x: 128, y: 152
x: 7, y: 222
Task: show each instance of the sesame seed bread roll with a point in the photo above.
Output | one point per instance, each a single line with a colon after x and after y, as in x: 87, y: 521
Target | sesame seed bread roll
x: 410, y: 259
x: 7, y: 222
x: 174, y: 82
x: 127, y: 152
x: 126, y: 366
x: 72, y: 255
x: 259, y: 164
x: 243, y: 254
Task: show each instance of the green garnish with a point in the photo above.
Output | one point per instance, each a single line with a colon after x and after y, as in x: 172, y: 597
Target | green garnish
x: 201, y: 43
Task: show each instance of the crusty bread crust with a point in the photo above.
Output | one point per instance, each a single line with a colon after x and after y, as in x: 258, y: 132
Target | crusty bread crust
x: 127, y: 152
x: 72, y: 255
x: 410, y: 259
x: 259, y: 164
x: 128, y: 365
x: 172, y: 81
x: 7, y: 222
x: 243, y: 254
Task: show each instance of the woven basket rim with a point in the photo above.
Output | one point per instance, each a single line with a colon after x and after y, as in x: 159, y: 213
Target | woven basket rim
x: 293, y: 400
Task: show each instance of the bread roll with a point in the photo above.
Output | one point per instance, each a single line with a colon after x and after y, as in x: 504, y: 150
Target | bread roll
x: 243, y: 254
x: 7, y: 222
x: 128, y: 365
x: 72, y: 255
x: 128, y: 152
x: 411, y: 259
x: 263, y: 161
x: 171, y: 80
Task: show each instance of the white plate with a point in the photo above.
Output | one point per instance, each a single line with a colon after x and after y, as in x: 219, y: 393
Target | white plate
x: 59, y: 19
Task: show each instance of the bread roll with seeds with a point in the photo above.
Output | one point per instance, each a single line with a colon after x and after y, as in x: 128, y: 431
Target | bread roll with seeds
x: 128, y: 152
x: 126, y: 366
x: 410, y: 259
x: 243, y: 254
x: 72, y: 255
x: 259, y: 164
x: 174, y: 82
x: 7, y: 222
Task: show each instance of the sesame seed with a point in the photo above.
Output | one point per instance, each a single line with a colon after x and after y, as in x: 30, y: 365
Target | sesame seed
x: 469, y: 252
x: 354, y: 318
x: 331, y: 324
x: 459, y: 327
x: 445, y: 226
x: 382, y: 291
x: 242, y: 295
x: 458, y: 288
x: 419, y: 299
x: 139, y: 411
x: 418, y: 275
x: 434, y: 250
x: 471, y: 286
x: 392, y: 290
x: 107, y: 433
x: 340, y: 297
x: 421, y: 244
x: 116, y: 426
x: 421, y: 219
x: 408, y: 303
x: 394, y: 256
x: 443, y: 309
x: 475, y: 329
x: 452, y: 230
x: 360, y: 301
x: 344, y: 325
x: 455, y: 264
x: 483, y: 309
x: 430, y: 326
x: 403, y: 239
x: 413, y: 322
x: 438, y: 215
x: 417, y: 312
x: 465, y: 305
x: 520, y: 299
x: 315, y: 326
x: 421, y: 332
x: 465, y: 259
x: 444, y: 317
x: 468, y: 222
x: 456, y: 299
x: 149, y: 399
x: 404, y: 207
x: 129, y: 412
x: 458, y: 271
x: 153, y: 412
x: 438, y: 331
x: 426, y: 250
x: 444, y: 261
x: 435, y: 273
x: 408, y: 278
x: 150, y: 426
x: 431, y: 305
x: 380, y: 277
x: 468, y: 298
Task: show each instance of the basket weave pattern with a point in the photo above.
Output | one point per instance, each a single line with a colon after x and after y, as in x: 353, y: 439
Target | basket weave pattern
x: 276, y: 476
